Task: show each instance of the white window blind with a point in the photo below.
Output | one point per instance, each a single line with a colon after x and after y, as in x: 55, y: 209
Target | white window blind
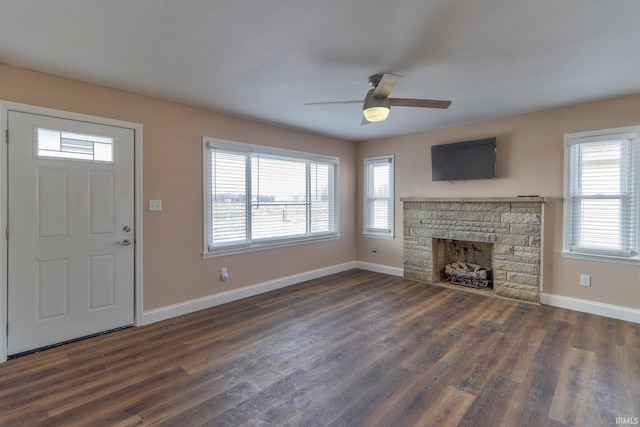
x: 260, y: 196
x: 378, y: 196
x: 322, y: 187
x: 601, y: 194
x: 228, y: 204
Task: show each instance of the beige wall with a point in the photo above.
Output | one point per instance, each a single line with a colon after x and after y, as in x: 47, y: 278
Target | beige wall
x: 174, y: 270
x: 530, y: 151
x: 530, y: 162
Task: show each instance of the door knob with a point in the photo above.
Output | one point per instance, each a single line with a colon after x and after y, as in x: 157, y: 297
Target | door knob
x: 126, y: 229
x: 125, y: 242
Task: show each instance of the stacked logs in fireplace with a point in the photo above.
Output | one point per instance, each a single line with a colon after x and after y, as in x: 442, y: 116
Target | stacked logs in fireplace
x: 467, y: 274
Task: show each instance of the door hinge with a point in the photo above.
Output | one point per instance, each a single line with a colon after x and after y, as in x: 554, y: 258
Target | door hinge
x: 6, y: 136
x: 6, y: 233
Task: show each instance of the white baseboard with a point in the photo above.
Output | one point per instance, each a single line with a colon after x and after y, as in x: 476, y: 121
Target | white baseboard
x: 164, y: 313
x: 592, y: 307
x: 379, y: 268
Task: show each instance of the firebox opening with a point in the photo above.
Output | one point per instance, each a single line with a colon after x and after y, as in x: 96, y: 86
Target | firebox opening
x: 463, y: 263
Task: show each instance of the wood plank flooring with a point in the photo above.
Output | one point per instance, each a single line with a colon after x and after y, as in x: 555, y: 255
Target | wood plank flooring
x: 353, y: 349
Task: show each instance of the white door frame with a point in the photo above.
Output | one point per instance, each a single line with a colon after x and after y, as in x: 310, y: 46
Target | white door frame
x: 5, y: 107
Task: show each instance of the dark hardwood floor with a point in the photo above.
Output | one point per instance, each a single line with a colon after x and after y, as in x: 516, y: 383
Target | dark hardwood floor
x: 352, y: 349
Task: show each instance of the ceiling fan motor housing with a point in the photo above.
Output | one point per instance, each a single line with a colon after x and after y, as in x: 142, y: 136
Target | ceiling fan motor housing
x: 371, y: 101
x: 374, y: 80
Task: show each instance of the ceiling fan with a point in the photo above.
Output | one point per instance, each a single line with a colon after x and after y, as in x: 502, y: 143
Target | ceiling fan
x: 377, y: 104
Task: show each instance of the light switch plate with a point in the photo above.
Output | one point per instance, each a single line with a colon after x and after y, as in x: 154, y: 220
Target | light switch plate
x: 155, y: 205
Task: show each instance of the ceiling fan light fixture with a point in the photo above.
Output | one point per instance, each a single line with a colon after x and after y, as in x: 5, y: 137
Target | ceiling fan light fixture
x: 376, y: 114
x: 375, y: 109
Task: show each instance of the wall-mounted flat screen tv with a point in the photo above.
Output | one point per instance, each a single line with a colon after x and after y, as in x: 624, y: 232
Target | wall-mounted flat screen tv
x: 464, y: 160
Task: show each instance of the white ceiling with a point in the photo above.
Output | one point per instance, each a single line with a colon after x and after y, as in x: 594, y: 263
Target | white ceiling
x: 264, y: 59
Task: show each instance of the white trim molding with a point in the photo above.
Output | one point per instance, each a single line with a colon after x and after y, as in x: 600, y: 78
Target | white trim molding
x: 186, y: 307
x: 592, y: 307
x: 380, y: 268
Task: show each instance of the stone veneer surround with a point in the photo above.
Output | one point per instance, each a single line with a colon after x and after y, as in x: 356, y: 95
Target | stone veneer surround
x: 512, y: 224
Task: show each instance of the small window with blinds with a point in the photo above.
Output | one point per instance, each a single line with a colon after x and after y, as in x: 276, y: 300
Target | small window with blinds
x: 601, y: 200
x: 378, y: 197
x: 258, y: 197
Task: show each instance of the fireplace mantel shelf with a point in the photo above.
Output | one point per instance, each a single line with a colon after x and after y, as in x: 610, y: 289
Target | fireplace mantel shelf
x: 526, y: 199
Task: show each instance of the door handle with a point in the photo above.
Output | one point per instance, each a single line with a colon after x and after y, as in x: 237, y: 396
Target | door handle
x: 125, y: 242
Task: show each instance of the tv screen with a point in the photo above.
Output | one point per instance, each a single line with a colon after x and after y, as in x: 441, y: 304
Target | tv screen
x: 464, y: 160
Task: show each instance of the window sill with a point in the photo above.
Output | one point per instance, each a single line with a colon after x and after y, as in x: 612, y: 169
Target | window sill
x: 264, y: 246
x: 601, y: 258
x: 379, y: 236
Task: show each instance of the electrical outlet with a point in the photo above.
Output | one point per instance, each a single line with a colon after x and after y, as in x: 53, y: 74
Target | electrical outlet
x: 224, y: 274
x: 585, y: 280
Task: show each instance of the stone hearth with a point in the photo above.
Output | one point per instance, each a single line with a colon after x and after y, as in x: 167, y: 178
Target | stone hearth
x: 512, y: 224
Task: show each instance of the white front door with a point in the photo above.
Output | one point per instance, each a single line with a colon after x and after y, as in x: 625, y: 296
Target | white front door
x: 70, y: 227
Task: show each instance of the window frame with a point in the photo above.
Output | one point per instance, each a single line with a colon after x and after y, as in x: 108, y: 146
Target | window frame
x: 367, y: 230
x: 40, y: 152
x: 601, y: 254
x: 252, y: 244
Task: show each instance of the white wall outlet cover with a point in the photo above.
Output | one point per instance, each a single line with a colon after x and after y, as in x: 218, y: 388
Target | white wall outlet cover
x: 155, y: 205
x: 585, y: 280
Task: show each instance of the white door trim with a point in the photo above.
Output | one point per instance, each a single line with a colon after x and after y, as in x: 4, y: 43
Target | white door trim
x: 5, y: 107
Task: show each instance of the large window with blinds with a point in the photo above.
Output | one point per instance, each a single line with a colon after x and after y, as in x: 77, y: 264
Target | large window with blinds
x: 378, y: 197
x: 257, y: 197
x: 601, y: 203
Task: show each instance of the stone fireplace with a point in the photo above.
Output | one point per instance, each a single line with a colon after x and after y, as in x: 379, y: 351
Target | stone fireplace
x: 503, y: 235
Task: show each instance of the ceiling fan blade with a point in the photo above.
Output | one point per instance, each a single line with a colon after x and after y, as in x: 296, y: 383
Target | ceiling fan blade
x: 386, y: 85
x: 333, y: 102
x: 424, y: 103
